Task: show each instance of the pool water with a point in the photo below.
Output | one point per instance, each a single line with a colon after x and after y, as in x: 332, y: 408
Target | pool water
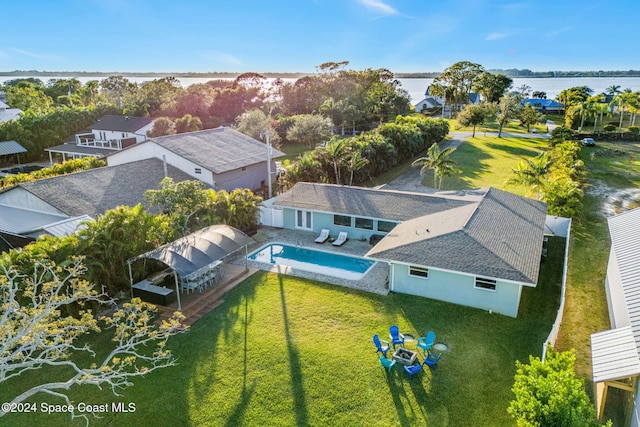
x: 321, y: 262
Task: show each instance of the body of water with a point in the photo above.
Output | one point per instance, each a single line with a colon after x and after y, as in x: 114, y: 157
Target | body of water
x: 417, y: 87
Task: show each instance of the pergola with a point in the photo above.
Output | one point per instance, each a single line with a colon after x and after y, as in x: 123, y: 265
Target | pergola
x: 195, y: 251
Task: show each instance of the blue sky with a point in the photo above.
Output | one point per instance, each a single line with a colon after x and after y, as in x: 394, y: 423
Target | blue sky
x: 298, y: 35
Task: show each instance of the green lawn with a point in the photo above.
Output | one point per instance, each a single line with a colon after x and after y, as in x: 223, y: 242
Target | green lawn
x: 284, y: 351
x: 292, y: 151
x: 487, y: 161
x: 492, y: 125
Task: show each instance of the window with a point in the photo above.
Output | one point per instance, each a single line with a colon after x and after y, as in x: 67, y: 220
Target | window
x: 418, y: 272
x: 198, y: 170
x: 484, y: 283
x: 386, y: 226
x: 303, y: 219
x: 343, y: 220
x: 365, y: 223
x: 124, y: 135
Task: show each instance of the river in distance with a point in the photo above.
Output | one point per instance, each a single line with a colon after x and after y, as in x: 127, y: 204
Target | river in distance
x: 416, y: 87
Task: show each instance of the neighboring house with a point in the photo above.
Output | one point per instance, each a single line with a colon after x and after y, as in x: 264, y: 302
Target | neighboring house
x: 7, y: 113
x: 223, y: 158
x: 10, y: 148
x: 615, y: 354
x: 544, y: 105
x: 59, y: 204
x: 108, y: 134
x: 477, y: 248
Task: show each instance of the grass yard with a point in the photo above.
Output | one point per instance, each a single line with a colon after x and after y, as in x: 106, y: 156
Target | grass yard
x: 586, y: 308
x: 492, y: 126
x: 284, y: 351
x: 292, y: 151
x: 488, y: 161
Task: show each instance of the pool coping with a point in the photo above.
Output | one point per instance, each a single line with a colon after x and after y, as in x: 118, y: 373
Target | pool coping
x: 375, y: 280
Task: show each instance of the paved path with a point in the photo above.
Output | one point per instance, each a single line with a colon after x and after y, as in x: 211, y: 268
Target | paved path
x: 411, y: 180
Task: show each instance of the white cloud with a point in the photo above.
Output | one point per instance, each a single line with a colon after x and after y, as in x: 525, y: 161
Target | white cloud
x: 36, y: 55
x: 379, y: 7
x: 556, y: 33
x: 222, y: 57
x: 495, y: 36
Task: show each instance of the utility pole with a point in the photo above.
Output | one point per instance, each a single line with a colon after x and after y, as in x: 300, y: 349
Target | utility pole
x: 266, y: 137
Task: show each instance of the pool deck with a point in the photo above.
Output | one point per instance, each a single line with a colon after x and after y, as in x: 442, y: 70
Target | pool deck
x: 375, y: 280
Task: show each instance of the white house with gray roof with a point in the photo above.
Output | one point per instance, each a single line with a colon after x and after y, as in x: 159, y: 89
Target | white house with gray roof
x: 108, y: 134
x: 477, y: 248
x: 223, y: 158
x: 615, y: 354
x: 59, y: 204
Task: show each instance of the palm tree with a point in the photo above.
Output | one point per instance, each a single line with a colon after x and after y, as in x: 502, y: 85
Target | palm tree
x: 440, y: 162
x: 355, y: 163
x: 337, y: 150
x: 612, y: 90
x: 532, y: 171
x: 623, y: 100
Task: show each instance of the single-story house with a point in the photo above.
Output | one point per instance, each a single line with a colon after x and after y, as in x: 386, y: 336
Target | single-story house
x: 223, y: 158
x: 58, y: 205
x: 615, y: 354
x: 477, y: 248
x: 107, y: 134
x: 544, y: 105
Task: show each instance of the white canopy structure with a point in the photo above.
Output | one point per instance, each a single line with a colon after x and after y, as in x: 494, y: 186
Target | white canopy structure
x: 197, y: 250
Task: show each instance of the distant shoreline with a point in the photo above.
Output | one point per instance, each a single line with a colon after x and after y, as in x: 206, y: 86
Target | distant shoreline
x: 228, y: 75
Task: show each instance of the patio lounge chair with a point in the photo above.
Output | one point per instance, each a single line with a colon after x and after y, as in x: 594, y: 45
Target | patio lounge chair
x: 413, y: 369
x: 431, y: 360
x: 342, y: 237
x: 396, y: 336
x: 387, y: 363
x: 382, y: 346
x: 425, y: 343
x: 323, y: 237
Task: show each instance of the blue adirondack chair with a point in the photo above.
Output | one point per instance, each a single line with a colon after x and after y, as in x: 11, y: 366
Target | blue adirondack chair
x: 431, y: 360
x: 413, y: 369
x: 382, y: 346
x: 387, y: 363
x: 396, y: 337
x: 425, y: 343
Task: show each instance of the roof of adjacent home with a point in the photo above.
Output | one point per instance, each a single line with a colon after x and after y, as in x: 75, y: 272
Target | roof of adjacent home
x: 365, y: 202
x: 624, y: 230
x: 499, y: 237
x: 95, y: 191
x: 121, y: 123
x: 219, y: 150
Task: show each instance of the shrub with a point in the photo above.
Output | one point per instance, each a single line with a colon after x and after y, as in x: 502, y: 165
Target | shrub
x: 609, y: 128
x: 634, y: 129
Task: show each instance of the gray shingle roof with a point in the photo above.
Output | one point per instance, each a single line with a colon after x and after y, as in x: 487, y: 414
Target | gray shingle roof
x: 121, y: 123
x: 95, y: 191
x: 383, y: 204
x: 500, y: 237
x: 218, y: 150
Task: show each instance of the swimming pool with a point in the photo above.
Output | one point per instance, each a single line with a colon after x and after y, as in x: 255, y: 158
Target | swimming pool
x: 321, y: 262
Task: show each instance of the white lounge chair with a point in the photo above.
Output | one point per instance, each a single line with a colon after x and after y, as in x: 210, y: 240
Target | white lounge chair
x: 342, y: 237
x: 324, y: 235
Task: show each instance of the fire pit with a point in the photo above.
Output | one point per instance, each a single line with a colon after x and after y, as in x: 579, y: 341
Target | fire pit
x: 404, y: 356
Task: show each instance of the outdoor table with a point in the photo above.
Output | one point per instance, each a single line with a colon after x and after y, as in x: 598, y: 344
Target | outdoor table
x: 149, y: 292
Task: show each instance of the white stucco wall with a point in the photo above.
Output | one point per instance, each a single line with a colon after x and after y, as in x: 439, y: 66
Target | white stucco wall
x: 457, y: 288
x: 150, y: 150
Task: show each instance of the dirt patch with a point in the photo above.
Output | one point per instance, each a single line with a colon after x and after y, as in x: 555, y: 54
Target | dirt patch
x: 615, y: 201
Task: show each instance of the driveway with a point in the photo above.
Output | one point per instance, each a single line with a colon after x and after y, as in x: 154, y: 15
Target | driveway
x: 411, y: 180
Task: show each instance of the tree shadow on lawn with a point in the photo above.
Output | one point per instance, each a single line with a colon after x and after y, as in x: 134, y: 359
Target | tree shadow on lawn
x: 397, y: 381
x: 521, y: 151
x: 469, y: 159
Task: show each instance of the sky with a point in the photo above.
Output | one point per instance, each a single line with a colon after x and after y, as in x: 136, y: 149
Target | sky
x: 298, y: 35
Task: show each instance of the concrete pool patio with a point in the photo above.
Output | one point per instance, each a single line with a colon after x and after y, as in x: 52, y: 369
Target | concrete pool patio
x: 375, y: 280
